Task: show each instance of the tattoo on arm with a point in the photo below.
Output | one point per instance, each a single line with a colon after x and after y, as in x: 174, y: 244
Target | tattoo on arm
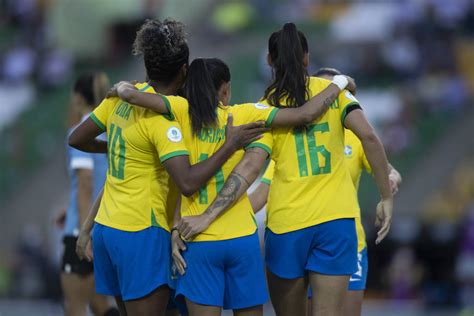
x: 330, y: 99
x: 228, y: 195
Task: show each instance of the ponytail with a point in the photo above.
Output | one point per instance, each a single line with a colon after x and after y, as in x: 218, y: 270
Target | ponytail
x: 205, y: 77
x: 287, y: 48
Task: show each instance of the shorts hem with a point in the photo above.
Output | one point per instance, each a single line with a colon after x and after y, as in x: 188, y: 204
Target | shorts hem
x: 356, y: 288
x: 143, y: 294
x: 286, y: 275
x: 107, y: 293
x: 197, y: 300
x: 327, y: 272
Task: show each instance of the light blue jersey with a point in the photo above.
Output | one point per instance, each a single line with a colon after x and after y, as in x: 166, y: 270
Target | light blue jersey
x: 77, y: 159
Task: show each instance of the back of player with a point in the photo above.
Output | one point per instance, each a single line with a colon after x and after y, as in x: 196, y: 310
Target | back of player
x: 132, y: 216
x: 224, y: 263
x: 312, y: 202
x: 87, y: 176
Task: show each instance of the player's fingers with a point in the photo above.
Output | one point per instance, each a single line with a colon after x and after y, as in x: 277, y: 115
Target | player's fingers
x: 180, y: 259
x: 253, y: 125
x: 111, y: 93
x: 255, y: 139
x: 185, y: 232
x: 257, y: 130
x: 230, y: 120
x: 181, y: 245
x: 79, y: 253
x: 377, y: 222
x: 180, y: 226
x: 190, y: 234
x: 178, y: 264
x: 382, y: 233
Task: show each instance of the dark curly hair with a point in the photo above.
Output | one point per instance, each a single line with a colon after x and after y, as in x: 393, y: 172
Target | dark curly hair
x: 164, y: 48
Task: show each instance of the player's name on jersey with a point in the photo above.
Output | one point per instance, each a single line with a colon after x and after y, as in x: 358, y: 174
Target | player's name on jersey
x: 123, y: 110
x: 211, y: 134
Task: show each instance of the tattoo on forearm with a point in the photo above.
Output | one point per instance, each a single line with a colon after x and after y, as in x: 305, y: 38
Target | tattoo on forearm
x: 228, y: 195
x: 330, y: 99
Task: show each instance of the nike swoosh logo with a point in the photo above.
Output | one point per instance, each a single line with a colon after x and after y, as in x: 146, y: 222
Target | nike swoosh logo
x: 353, y: 280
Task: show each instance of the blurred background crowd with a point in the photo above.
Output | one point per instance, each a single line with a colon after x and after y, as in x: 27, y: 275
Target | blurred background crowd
x: 413, y: 63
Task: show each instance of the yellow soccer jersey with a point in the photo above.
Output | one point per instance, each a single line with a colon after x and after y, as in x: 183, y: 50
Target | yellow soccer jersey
x: 311, y: 184
x: 356, y: 162
x: 239, y: 220
x: 139, y: 141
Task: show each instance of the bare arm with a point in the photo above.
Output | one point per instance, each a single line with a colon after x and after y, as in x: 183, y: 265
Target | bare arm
x: 310, y: 111
x: 84, y: 138
x: 305, y: 114
x: 395, y: 178
x: 235, y: 186
x: 189, y: 178
x: 177, y: 244
x: 377, y: 159
x: 258, y: 198
x: 129, y: 93
x: 83, y: 249
x: 84, y: 193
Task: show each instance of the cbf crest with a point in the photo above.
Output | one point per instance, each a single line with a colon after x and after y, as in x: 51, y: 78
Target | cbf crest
x: 348, y: 151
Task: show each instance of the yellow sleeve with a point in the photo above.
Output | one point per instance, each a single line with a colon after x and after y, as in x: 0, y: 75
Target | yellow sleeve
x: 177, y: 108
x: 266, y: 143
x: 167, y: 137
x: 345, y: 102
x: 363, y: 158
x: 253, y: 112
x: 268, y: 175
x: 101, y: 113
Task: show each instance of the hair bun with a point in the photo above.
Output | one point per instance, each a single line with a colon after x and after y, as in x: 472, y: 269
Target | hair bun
x: 289, y: 26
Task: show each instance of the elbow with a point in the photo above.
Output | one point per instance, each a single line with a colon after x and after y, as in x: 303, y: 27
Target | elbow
x: 186, y: 188
x: 308, y: 119
x: 188, y: 192
x: 370, y: 138
x: 73, y: 141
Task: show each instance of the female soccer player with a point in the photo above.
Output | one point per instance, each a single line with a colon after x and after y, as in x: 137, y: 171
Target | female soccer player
x: 87, y: 174
x: 311, y: 230
x: 131, y: 239
x: 224, y: 267
x: 356, y: 162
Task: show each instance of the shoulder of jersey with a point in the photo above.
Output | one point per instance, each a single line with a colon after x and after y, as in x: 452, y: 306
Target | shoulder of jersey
x: 316, y: 83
